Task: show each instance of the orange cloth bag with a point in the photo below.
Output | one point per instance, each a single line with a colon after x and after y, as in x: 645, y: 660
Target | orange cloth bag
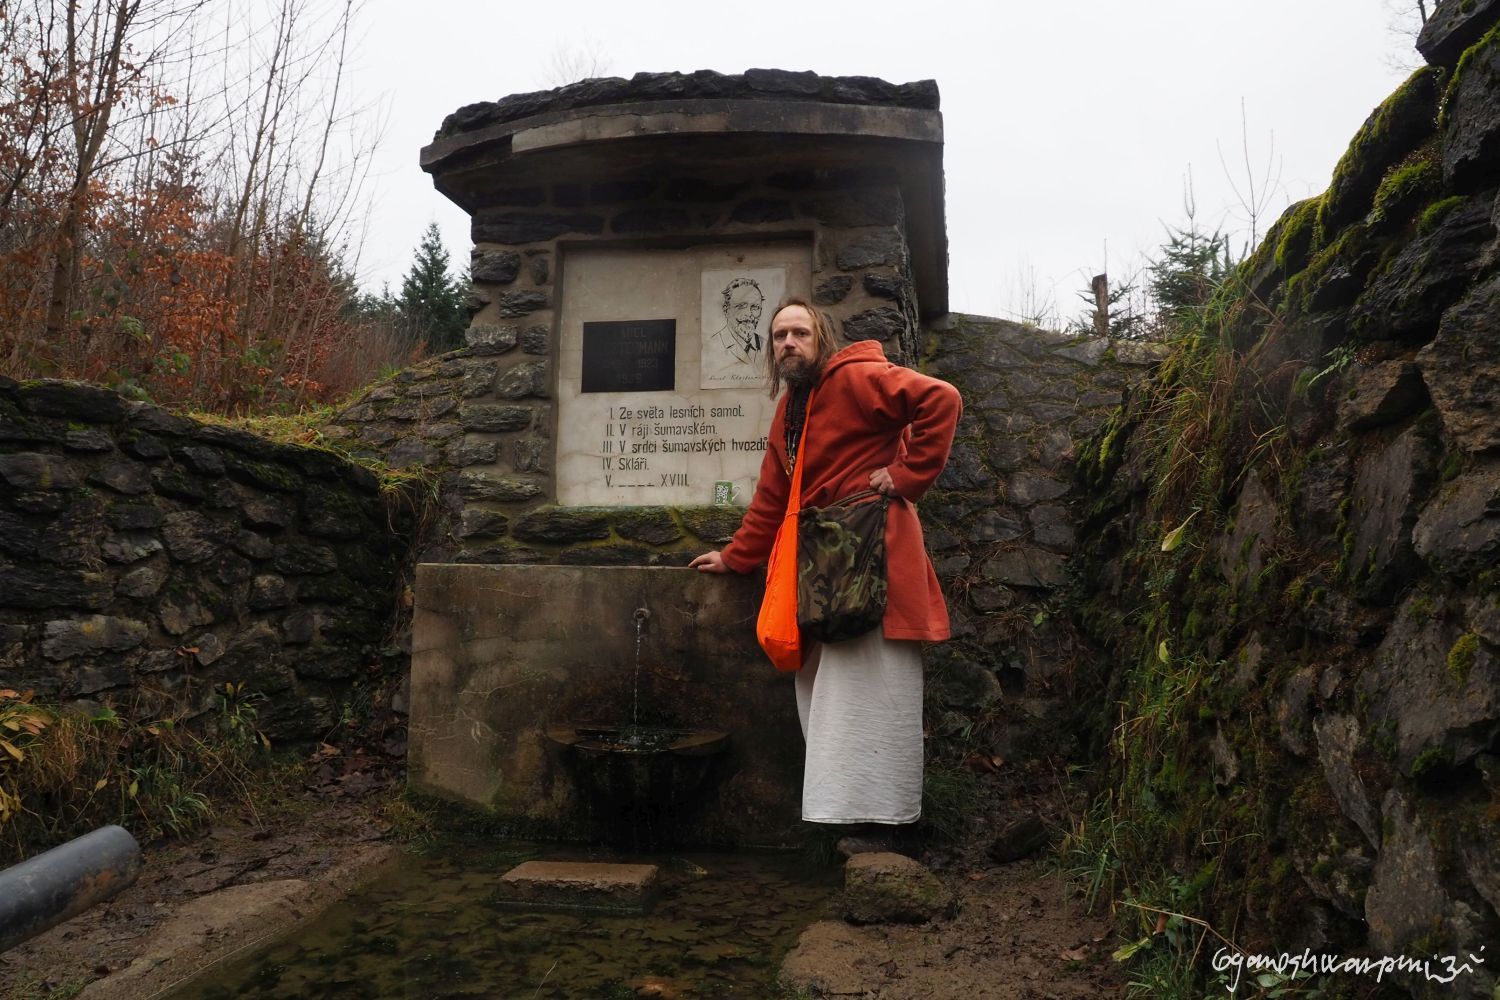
x: 776, y: 627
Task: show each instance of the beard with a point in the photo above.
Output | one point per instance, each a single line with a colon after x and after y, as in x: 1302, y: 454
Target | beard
x: 796, y: 372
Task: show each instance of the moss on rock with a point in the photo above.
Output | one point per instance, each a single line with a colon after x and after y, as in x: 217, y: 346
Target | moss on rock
x: 1437, y: 212
x: 1297, y: 239
x: 1403, y: 122
x: 1407, y: 185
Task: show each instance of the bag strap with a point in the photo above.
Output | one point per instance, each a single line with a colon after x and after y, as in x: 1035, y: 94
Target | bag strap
x: 861, y: 495
x: 794, y: 499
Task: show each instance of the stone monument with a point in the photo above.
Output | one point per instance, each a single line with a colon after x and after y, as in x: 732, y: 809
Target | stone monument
x: 632, y: 239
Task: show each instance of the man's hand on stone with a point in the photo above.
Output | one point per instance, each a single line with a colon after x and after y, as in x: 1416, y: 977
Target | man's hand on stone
x: 881, y: 482
x: 709, y: 562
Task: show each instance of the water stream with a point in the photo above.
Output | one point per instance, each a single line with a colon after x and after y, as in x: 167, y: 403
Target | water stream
x: 433, y: 927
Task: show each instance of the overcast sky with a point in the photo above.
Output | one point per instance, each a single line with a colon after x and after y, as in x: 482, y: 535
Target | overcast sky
x: 1071, y: 129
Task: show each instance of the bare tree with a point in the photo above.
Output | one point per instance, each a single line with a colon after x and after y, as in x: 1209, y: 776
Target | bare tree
x: 1404, y: 21
x: 195, y: 163
x: 571, y: 62
x: 102, y: 71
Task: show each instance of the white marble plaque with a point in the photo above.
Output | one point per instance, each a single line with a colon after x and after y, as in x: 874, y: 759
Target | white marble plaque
x: 736, y: 324
x: 664, y: 446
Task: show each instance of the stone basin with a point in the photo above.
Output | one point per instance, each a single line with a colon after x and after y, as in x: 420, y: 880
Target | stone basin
x: 597, y: 741
x: 640, y: 772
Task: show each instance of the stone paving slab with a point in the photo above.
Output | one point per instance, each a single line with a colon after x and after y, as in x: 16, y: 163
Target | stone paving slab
x: 579, y: 885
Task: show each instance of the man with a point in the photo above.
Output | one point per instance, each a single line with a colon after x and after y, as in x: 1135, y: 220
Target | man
x: 742, y: 304
x: 872, y: 425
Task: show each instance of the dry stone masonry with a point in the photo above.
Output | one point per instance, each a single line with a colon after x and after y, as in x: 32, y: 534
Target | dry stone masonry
x: 147, y: 559
x: 1345, y: 620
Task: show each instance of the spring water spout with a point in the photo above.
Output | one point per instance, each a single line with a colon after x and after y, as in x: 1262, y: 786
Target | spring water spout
x: 641, y: 616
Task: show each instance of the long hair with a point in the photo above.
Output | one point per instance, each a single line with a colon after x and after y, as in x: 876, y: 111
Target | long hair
x: 825, y: 340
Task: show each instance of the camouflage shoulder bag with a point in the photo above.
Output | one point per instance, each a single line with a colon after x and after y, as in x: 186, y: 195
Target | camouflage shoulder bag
x: 841, y: 575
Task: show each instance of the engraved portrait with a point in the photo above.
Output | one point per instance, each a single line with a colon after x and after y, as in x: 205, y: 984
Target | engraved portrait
x: 736, y: 315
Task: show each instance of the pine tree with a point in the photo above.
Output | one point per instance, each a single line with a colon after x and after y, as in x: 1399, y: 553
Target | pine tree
x: 431, y: 303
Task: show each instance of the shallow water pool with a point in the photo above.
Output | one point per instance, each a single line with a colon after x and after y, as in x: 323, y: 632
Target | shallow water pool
x: 433, y: 927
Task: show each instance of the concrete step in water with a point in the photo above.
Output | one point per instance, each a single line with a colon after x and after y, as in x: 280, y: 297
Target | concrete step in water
x: 576, y: 885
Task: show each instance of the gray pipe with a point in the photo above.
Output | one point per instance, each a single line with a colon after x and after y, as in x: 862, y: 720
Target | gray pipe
x: 43, y: 891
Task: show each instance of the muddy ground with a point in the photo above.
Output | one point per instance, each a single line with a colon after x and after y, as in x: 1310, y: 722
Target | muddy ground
x: 1019, y: 930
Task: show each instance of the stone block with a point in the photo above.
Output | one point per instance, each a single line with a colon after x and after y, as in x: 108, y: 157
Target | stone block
x: 1019, y: 838
x: 526, y: 380
x: 489, y: 338
x: 141, y: 583
x: 575, y: 885
x: 529, y: 227
x: 91, y: 636
x: 1242, y: 552
x: 1025, y: 488
x: 1406, y: 299
x: 651, y: 219
x: 652, y: 526
x: 205, y: 461
x: 142, y: 445
x: 90, y: 439
x: 881, y: 887
x: 1406, y: 899
x: 1458, y: 531
x: 129, y: 547
x: 268, y: 591
x: 411, y: 451
x: 1453, y: 27
x: 535, y: 339
x: 855, y: 209
x: 1435, y: 687
x: 480, y: 523
x: 516, y: 304
x: 883, y: 323
x: 494, y: 267
x: 503, y: 489
x: 265, y: 475
x: 302, y: 557
x: 885, y: 286
x: 262, y: 511
x: 39, y: 471
x: 1026, y: 567
x: 474, y: 453
x: 29, y: 586
x: 133, y: 516
x: 1389, y: 488
x: 443, y: 430
x: 332, y: 513
x: 529, y: 454
x: 72, y: 401
x: 1471, y: 137
x: 832, y: 290
x: 192, y: 537
x: 1380, y: 394
x: 493, y: 418
x: 1461, y: 369
x: 755, y: 211
x: 559, y: 524
x: 874, y: 250
x: 1338, y: 741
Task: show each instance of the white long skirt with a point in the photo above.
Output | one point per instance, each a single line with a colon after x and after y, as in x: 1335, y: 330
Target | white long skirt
x: 860, y: 703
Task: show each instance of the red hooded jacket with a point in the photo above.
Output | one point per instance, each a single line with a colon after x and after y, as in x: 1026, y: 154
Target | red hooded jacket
x: 866, y: 413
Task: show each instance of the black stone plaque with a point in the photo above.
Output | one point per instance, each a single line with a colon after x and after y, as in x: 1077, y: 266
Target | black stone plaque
x: 633, y: 355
